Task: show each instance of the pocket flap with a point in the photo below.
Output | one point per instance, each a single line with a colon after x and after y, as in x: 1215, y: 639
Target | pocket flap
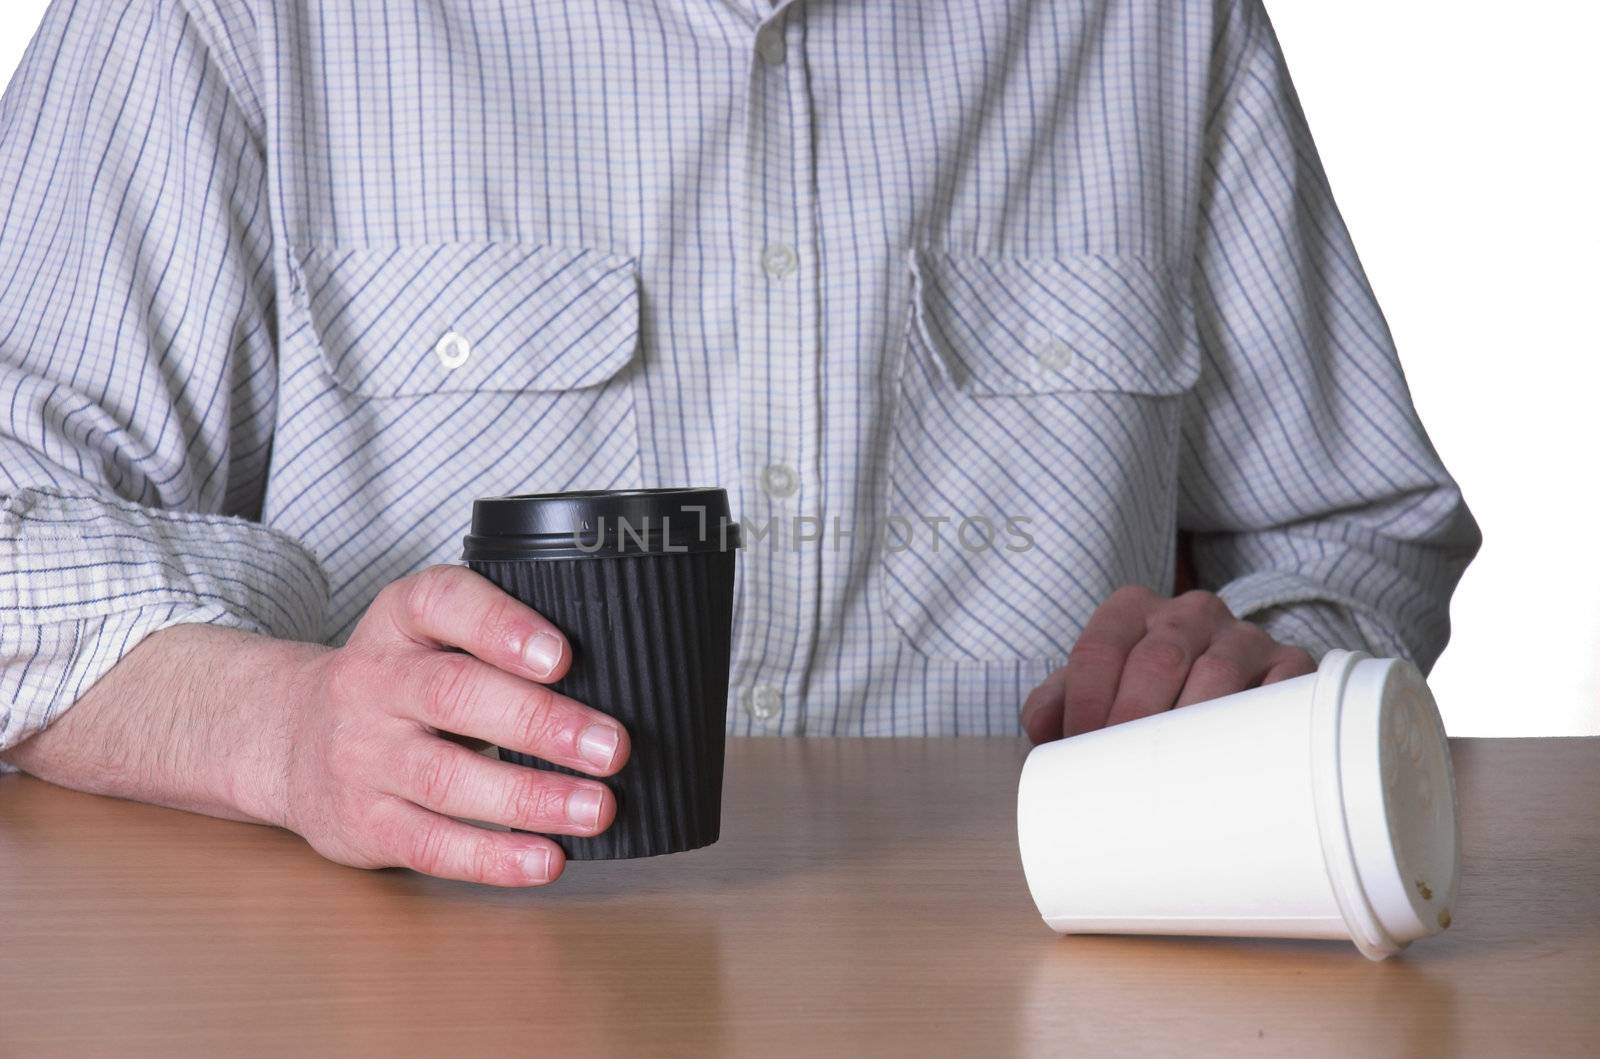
x: 452, y: 317
x: 1005, y: 326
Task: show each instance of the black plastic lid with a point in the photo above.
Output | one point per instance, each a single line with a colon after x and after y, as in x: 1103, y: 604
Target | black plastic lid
x: 601, y: 523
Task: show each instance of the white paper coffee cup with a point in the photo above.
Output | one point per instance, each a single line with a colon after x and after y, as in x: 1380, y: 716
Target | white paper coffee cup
x: 1318, y: 807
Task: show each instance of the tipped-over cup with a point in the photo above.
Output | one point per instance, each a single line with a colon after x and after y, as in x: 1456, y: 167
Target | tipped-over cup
x: 1317, y: 807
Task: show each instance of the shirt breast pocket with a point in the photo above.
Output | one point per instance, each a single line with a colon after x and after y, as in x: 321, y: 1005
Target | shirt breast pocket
x: 411, y: 321
x: 513, y: 363
x: 1034, y: 448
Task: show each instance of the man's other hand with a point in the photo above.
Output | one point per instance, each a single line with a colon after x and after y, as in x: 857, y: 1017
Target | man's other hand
x: 1142, y: 653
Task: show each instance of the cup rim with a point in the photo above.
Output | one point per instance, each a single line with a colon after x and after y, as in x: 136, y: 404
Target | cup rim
x: 1372, y: 926
x: 601, y: 523
x: 589, y: 494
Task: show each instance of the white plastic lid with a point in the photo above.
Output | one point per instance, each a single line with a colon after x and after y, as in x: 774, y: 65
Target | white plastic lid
x: 1385, y: 799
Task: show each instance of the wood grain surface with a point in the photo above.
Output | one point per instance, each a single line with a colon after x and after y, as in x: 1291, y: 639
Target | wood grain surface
x: 865, y: 899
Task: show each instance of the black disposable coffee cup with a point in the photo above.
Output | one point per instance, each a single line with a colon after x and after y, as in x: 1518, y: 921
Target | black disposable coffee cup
x: 641, y: 583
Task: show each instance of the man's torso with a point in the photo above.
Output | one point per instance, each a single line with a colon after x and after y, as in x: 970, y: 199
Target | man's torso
x: 914, y: 275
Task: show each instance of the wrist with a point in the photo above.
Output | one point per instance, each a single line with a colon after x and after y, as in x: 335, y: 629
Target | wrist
x: 277, y: 684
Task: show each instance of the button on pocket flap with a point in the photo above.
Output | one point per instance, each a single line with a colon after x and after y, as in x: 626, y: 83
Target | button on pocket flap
x: 453, y: 317
x: 1006, y: 326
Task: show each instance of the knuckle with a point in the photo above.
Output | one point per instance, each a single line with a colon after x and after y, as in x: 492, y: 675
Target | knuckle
x: 1095, y: 649
x: 438, y: 777
x: 428, y: 592
x: 1159, y: 658
x: 1081, y: 704
x: 536, y: 801
x: 538, y: 720
x: 1250, y: 633
x: 447, y: 681
x: 1172, y: 623
x: 502, y: 622
x: 1216, y: 671
x: 483, y: 860
x: 426, y: 848
x: 1202, y: 605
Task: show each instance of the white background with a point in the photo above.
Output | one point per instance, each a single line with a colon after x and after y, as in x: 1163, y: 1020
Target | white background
x: 1460, y: 138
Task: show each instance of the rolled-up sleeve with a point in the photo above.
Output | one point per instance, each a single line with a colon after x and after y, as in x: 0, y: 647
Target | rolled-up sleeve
x: 1316, y: 503
x: 137, y: 350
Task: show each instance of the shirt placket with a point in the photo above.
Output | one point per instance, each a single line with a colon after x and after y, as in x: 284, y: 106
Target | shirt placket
x: 779, y: 391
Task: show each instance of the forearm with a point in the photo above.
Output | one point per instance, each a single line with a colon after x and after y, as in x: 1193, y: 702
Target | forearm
x: 135, y: 425
x: 346, y: 746
x: 196, y: 717
x: 1331, y: 583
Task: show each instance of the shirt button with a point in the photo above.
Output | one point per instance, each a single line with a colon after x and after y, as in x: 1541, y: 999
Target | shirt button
x: 1057, y: 356
x: 779, y: 259
x: 453, y: 350
x: 770, y: 45
x: 763, y: 702
x: 779, y: 480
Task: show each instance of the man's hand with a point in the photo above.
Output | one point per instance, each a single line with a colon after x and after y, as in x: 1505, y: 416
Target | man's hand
x: 346, y: 746
x: 1142, y: 653
x: 369, y: 780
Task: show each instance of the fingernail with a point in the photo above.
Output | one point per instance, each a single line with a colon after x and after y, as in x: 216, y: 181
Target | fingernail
x: 536, y: 863
x: 583, y: 806
x: 542, y: 653
x: 598, y: 745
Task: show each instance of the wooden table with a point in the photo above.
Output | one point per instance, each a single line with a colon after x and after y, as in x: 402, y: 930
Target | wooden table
x: 866, y: 899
